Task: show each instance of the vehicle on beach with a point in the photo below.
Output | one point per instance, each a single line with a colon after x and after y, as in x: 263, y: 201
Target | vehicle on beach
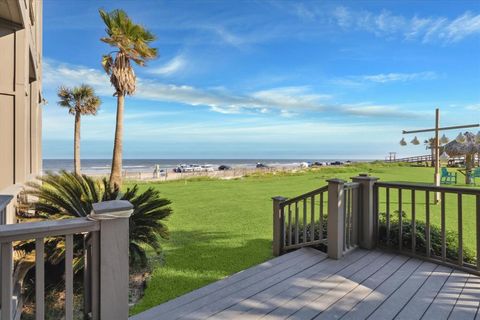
x: 208, y: 168
x: 304, y: 164
x: 224, y: 167
x: 261, y: 165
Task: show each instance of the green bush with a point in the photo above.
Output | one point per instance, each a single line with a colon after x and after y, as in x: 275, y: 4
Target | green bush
x: 451, y: 238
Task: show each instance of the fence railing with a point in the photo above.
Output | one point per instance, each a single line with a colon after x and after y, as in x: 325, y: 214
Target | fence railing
x: 411, y: 221
x: 350, y: 215
x: 106, y: 263
x: 299, y: 221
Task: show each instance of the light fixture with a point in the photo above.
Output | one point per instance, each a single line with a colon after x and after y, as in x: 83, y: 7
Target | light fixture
x: 415, y: 141
x: 460, y: 138
x: 444, y: 156
x: 444, y: 139
x: 403, y: 142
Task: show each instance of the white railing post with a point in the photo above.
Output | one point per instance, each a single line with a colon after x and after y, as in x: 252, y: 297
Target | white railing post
x: 278, y: 226
x: 367, y: 212
x: 336, y: 219
x: 113, y: 267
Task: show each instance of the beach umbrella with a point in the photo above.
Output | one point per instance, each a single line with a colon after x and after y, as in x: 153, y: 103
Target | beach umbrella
x: 468, y: 148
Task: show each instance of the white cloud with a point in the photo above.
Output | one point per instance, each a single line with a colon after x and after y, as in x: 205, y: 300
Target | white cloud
x: 474, y: 107
x: 402, y: 77
x: 287, y: 100
x: 175, y: 65
x: 425, y: 29
x: 385, y: 78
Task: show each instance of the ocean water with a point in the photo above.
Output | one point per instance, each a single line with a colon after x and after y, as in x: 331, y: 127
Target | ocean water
x: 100, y: 166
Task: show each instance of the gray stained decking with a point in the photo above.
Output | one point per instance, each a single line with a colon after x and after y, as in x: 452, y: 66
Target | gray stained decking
x: 305, y: 284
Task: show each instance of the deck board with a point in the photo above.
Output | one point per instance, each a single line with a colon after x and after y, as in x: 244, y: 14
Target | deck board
x: 305, y: 284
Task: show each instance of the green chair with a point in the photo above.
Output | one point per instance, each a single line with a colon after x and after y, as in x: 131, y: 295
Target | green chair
x: 475, y: 174
x: 448, y: 177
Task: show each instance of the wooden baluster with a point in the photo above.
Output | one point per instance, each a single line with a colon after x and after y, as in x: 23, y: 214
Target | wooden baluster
x: 478, y: 230
x: 345, y: 220
x: 39, y: 279
x: 322, y: 236
x: 312, y: 218
x: 289, y: 224
x: 387, y: 214
x: 69, y: 277
x: 304, y: 220
x: 460, y: 229
x: 7, y: 283
x: 400, y: 220
x: 355, y: 209
x: 443, y: 231
x: 297, y: 229
x: 427, y: 223
x: 414, y: 224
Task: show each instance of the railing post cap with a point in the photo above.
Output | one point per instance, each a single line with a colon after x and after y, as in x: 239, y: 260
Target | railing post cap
x: 113, y: 208
x: 336, y: 180
x: 365, y: 176
x: 279, y: 198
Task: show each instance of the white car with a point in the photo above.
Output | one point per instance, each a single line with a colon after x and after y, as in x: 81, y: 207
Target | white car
x: 208, y: 168
x: 196, y: 167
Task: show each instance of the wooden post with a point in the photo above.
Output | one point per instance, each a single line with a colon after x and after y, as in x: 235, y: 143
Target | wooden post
x: 336, y: 218
x: 278, y: 226
x: 114, y: 263
x: 366, y: 213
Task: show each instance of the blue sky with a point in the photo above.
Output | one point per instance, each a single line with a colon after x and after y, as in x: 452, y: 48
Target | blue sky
x: 269, y: 79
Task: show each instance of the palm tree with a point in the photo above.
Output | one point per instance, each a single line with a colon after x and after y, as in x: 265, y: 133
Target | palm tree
x: 64, y: 194
x: 80, y: 101
x: 132, y: 43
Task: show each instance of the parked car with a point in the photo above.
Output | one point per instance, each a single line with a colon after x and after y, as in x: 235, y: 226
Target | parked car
x: 336, y: 163
x: 224, y: 167
x: 207, y: 168
x: 261, y: 165
x: 304, y: 165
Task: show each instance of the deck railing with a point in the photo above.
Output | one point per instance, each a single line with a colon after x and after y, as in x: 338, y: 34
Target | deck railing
x: 402, y: 217
x: 106, y: 263
x: 299, y: 221
x: 408, y: 215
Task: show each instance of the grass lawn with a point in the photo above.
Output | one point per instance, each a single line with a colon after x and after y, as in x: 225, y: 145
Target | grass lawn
x: 220, y: 227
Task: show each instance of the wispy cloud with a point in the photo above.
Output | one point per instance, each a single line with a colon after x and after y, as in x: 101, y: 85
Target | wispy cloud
x: 425, y: 29
x: 287, y: 101
x: 383, y: 78
x: 175, y: 65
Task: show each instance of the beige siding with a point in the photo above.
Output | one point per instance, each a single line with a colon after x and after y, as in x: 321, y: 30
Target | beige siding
x: 6, y: 141
x: 20, y: 93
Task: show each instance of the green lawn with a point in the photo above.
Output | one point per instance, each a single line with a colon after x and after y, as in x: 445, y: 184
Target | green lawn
x: 220, y: 227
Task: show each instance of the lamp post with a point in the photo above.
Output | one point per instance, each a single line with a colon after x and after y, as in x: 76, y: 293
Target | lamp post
x: 436, y: 143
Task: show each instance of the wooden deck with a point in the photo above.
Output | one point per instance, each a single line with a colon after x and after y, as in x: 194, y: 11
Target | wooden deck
x: 305, y: 284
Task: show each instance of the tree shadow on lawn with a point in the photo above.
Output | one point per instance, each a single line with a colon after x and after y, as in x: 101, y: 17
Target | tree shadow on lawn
x: 194, y: 259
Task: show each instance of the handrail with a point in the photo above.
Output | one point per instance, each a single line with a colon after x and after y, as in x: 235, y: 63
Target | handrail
x: 50, y: 228
x: 428, y: 187
x: 299, y: 221
x: 305, y: 195
x: 398, y: 229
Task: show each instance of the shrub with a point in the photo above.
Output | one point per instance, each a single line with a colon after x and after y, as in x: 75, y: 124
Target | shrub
x: 451, y: 238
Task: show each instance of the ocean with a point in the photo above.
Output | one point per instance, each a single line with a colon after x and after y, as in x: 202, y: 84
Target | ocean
x: 101, y: 166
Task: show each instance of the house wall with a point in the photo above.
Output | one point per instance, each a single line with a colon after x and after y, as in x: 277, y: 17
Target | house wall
x: 20, y: 94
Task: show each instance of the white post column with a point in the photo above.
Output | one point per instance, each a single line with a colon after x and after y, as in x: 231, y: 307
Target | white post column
x: 367, y: 212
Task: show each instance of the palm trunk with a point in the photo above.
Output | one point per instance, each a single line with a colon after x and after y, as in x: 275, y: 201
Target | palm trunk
x: 116, y: 173
x: 76, y: 145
